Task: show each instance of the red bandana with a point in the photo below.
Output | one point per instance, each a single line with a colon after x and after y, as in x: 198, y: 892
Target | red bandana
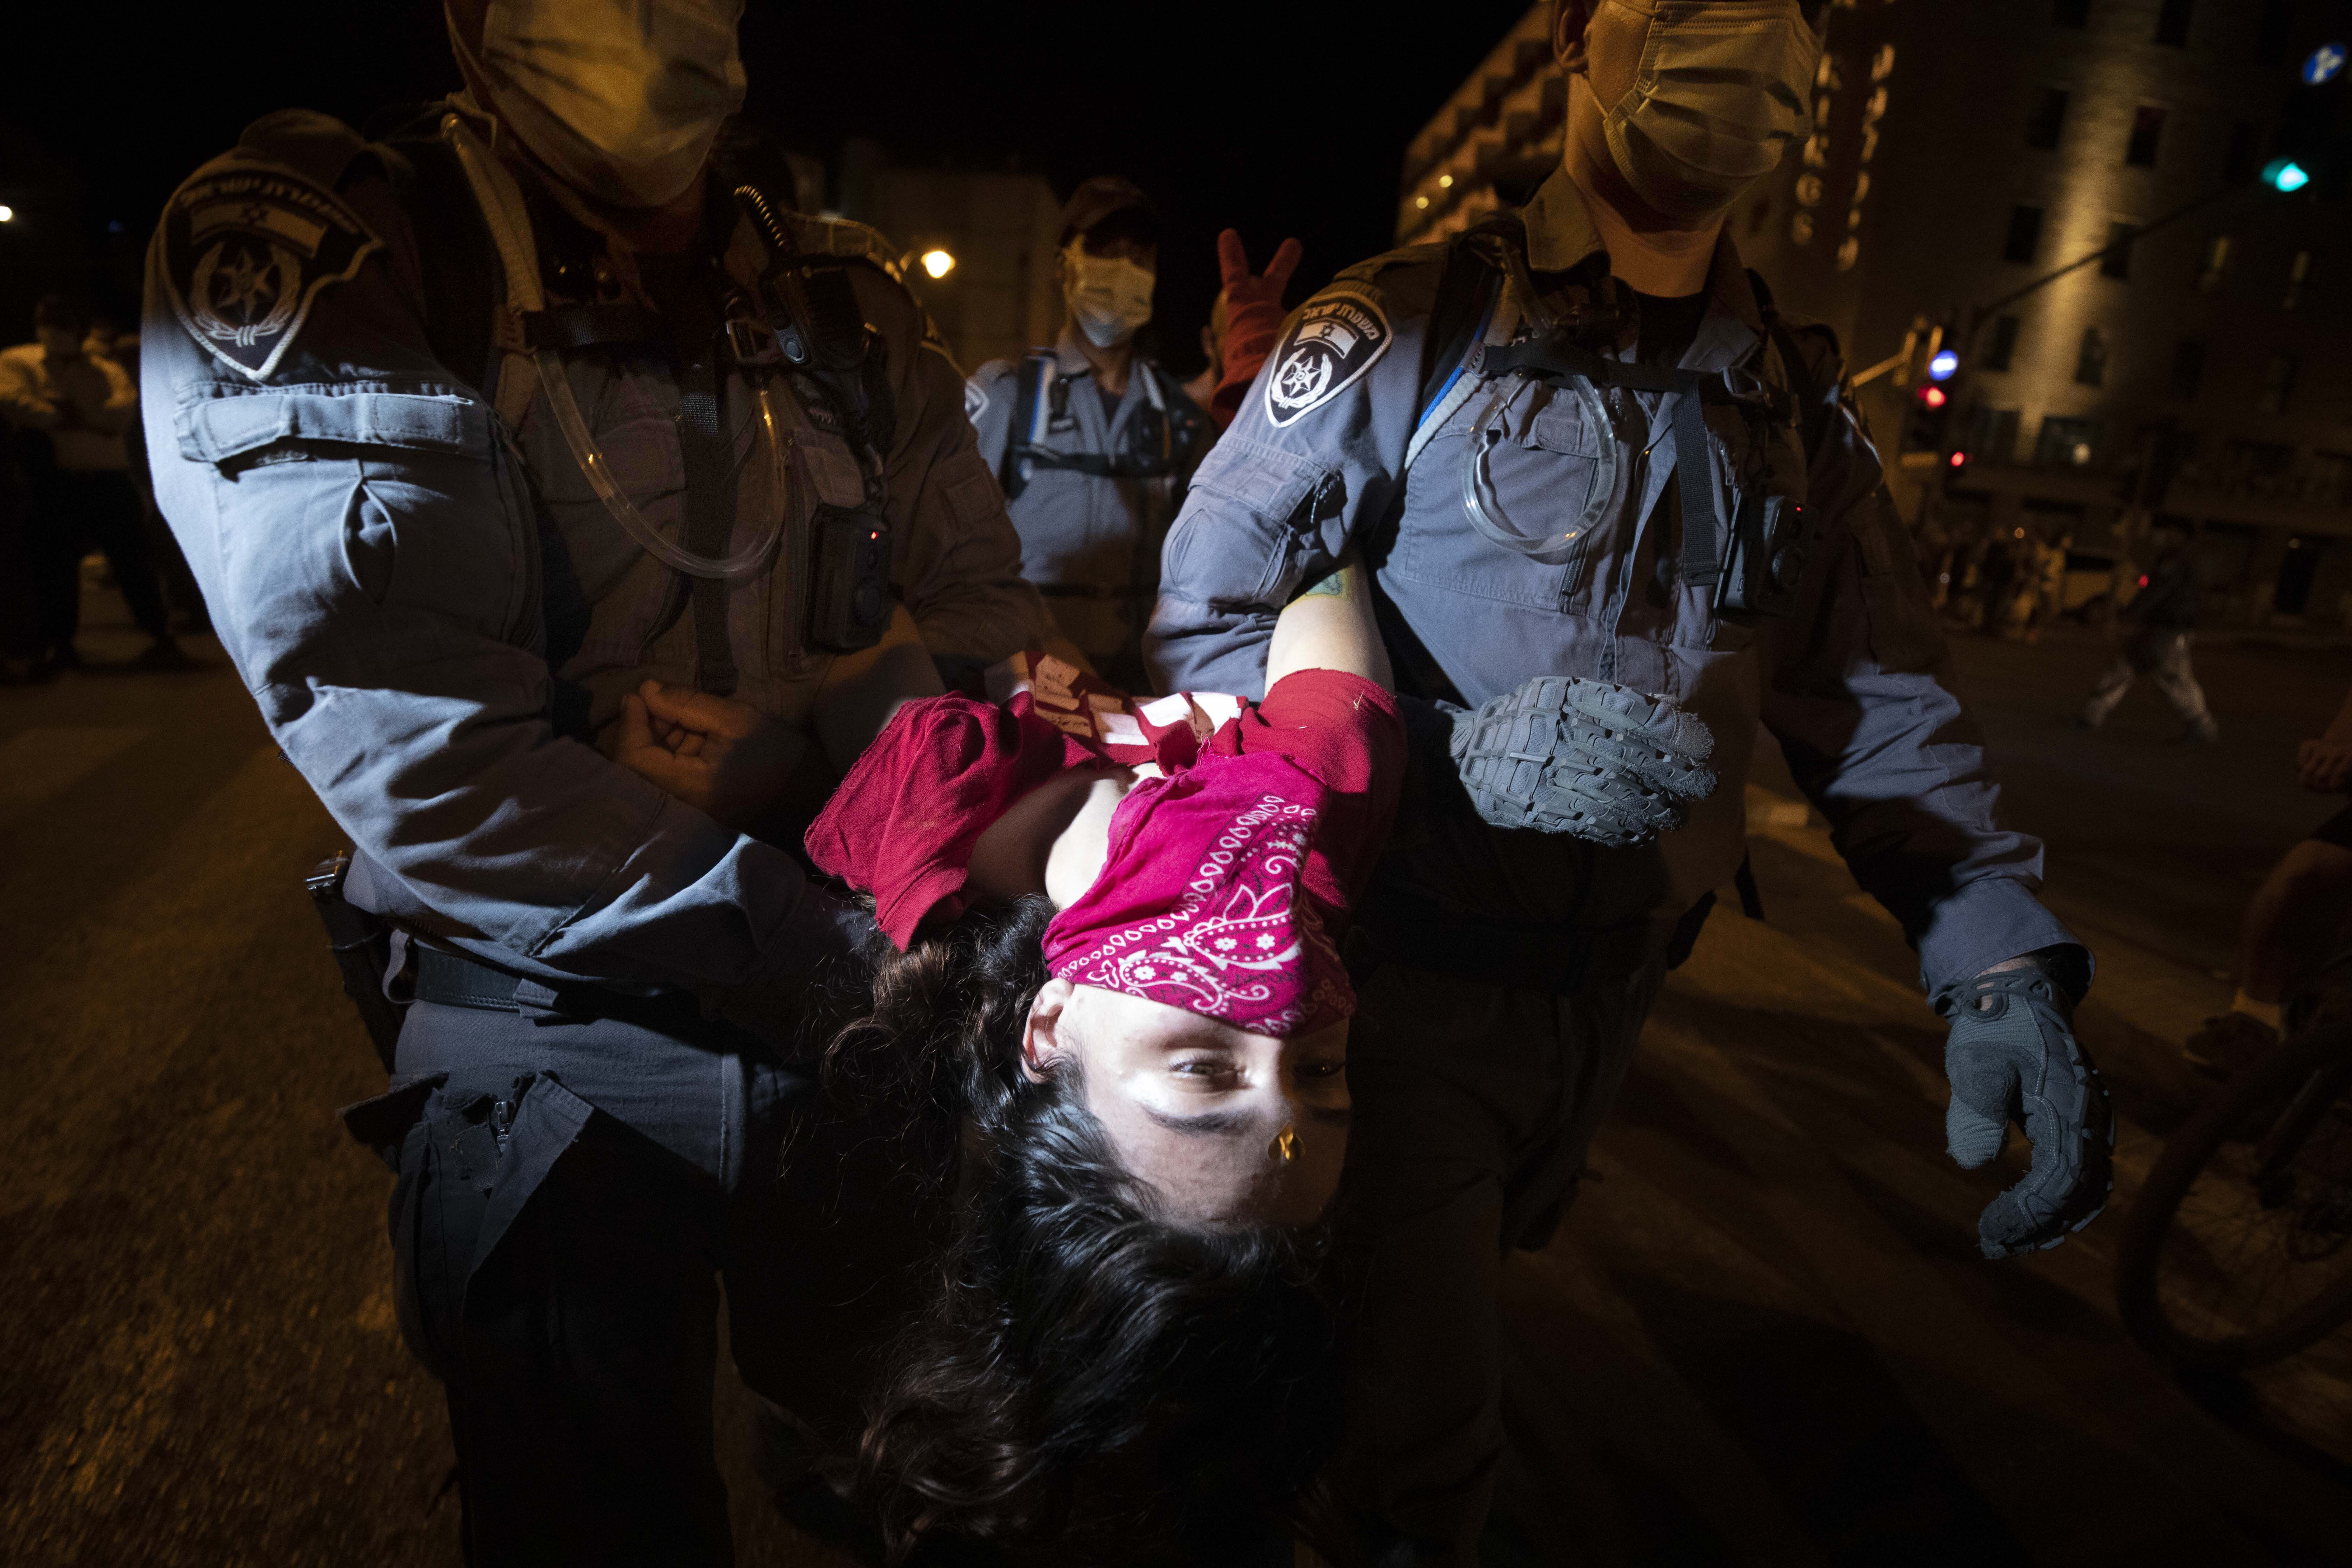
x: 1230, y: 863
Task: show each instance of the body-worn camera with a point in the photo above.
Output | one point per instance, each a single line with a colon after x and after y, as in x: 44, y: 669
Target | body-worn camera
x: 849, y: 597
x: 1770, y: 540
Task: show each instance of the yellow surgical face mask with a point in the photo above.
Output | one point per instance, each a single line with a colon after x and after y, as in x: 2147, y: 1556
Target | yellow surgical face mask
x: 1109, y: 297
x: 1720, y: 93
x: 619, y: 98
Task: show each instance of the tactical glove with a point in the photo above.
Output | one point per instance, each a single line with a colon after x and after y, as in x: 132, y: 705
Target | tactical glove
x: 1588, y: 758
x: 2012, y: 1056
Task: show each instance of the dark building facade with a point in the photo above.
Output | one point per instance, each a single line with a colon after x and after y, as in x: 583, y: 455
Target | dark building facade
x: 2195, y: 372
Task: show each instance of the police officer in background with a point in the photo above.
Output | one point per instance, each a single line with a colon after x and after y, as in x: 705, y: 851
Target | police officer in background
x: 512, y: 447
x: 1092, y: 441
x: 1578, y: 440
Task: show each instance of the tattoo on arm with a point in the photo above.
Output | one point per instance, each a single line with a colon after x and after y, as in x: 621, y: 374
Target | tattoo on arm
x: 1333, y: 586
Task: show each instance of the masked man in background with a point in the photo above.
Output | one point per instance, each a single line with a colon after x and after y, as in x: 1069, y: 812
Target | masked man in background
x: 502, y: 443
x: 1576, y: 441
x: 1092, y: 441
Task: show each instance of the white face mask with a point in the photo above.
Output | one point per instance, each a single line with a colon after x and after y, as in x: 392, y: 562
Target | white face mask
x: 621, y: 98
x: 1109, y: 297
x: 1721, y: 92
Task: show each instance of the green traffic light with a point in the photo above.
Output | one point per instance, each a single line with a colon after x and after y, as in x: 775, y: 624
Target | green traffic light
x: 2285, y: 174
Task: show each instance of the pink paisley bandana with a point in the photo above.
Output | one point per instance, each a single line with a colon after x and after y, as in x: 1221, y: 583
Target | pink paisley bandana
x: 1225, y: 881
x: 1231, y: 862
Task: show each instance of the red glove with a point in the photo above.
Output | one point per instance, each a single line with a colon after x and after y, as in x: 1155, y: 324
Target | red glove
x: 1253, y: 315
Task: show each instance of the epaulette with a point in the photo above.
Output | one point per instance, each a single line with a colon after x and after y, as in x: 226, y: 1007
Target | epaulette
x: 842, y: 237
x: 318, y: 147
x: 1432, y: 254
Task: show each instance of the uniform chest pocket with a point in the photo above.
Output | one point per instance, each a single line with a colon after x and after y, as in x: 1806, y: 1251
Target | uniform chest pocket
x: 1564, y: 424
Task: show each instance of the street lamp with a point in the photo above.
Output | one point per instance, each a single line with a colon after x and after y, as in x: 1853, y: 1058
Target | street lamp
x: 938, y: 263
x: 7, y: 214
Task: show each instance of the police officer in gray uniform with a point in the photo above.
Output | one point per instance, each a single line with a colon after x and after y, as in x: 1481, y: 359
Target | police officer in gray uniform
x: 1576, y: 441
x: 1091, y: 440
x: 471, y: 432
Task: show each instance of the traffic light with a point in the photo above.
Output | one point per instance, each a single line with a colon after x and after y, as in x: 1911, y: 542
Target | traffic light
x: 2285, y: 175
x: 1929, y: 417
x: 2309, y: 153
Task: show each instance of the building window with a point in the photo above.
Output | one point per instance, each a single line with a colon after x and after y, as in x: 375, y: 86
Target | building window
x: 2328, y: 480
x: 1991, y: 436
x: 2172, y: 22
x: 2115, y: 260
x: 2298, y: 279
x: 2215, y: 271
x: 2278, y: 385
x: 2091, y: 359
x: 2188, y: 367
x: 2238, y: 164
x: 2001, y: 347
x: 2070, y: 13
x: 2024, y: 235
x: 2047, y: 118
x: 2070, y: 443
x: 2147, y: 129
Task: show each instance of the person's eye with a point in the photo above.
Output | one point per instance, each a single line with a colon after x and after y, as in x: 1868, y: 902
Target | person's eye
x: 1207, y: 1067
x: 1323, y: 1069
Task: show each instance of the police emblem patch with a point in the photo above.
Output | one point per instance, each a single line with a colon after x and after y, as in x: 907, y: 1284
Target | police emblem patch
x: 245, y: 254
x: 1339, y: 334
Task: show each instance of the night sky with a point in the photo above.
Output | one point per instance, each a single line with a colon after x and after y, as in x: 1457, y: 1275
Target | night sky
x: 1273, y: 119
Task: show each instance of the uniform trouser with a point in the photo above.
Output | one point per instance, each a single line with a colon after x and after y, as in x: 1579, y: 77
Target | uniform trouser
x: 1474, y: 1106
x: 2163, y: 656
x: 77, y: 509
x: 570, y: 1195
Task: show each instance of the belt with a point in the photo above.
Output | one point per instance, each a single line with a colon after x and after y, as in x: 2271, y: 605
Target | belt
x: 1088, y: 591
x: 453, y: 979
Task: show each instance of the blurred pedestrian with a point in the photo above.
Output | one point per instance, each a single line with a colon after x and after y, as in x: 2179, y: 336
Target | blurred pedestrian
x: 2165, y: 615
x: 107, y: 340
x: 2049, y: 584
x: 82, y: 491
x: 1995, y: 581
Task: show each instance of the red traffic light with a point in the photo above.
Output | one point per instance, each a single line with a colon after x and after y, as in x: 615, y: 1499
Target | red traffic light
x: 1957, y: 458
x: 1933, y: 396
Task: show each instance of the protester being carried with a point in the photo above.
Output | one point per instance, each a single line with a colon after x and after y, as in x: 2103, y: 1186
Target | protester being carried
x: 1115, y: 934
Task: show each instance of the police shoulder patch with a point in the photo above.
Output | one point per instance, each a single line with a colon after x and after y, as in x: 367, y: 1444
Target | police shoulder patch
x: 1336, y: 337
x: 248, y: 249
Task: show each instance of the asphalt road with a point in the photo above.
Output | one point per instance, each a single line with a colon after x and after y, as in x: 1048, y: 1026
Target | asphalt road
x: 1764, y: 1334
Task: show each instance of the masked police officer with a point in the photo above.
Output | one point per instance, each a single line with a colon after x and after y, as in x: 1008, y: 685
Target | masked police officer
x: 1577, y: 439
x: 511, y: 449
x: 1092, y: 441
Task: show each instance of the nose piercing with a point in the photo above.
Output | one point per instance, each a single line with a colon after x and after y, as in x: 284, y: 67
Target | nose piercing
x: 1285, y: 1146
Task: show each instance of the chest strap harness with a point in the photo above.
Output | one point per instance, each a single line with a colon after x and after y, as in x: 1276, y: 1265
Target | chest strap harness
x: 1154, y: 447
x: 1752, y: 561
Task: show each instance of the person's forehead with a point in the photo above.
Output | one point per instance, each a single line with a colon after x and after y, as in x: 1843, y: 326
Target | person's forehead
x: 1163, y: 1022
x: 1139, y: 1017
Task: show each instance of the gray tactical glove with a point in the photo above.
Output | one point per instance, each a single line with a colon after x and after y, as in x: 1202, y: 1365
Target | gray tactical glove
x: 2012, y: 1056
x: 1588, y: 758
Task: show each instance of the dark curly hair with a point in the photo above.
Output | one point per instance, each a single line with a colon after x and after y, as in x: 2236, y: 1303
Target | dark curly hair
x: 1093, y: 1381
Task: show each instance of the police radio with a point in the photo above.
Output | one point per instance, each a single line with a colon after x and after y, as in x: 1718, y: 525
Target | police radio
x: 1765, y: 561
x: 849, y: 587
